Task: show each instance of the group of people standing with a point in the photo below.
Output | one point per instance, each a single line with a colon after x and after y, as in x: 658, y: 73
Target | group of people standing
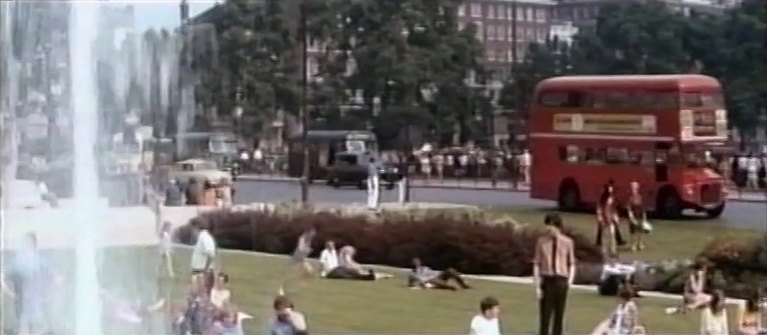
x: 609, y: 220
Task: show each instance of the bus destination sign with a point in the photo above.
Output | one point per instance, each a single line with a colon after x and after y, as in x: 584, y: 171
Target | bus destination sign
x: 703, y: 123
x: 606, y: 123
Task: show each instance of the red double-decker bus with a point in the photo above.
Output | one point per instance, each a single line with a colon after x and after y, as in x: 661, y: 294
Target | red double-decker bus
x: 654, y: 129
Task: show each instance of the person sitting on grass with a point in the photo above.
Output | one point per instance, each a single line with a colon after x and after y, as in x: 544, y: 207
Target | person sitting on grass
x: 624, y: 319
x: 328, y: 258
x: 713, y: 317
x: 749, y: 316
x: 227, y: 322
x: 286, y: 320
x: 219, y: 293
x: 422, y: 276
x: 348, y: 268
x: 694, y: 290
x: 487, y: 322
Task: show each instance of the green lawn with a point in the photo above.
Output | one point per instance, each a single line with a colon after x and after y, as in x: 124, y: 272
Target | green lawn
x: 347, y: 307
x: 670, y: 239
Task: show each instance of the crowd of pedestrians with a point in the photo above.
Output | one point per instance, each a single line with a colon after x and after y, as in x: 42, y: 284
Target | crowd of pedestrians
x: 194, y: 192
x: 465, y: 162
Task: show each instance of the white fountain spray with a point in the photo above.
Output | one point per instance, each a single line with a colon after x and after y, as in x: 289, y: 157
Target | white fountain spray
x: 83, y: 21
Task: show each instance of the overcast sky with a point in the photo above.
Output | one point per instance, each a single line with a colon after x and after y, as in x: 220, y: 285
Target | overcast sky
x: 162, y: 13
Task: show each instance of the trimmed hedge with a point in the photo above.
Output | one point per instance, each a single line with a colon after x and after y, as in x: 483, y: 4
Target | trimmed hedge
x: 440, y: 241
x: 741, y: 265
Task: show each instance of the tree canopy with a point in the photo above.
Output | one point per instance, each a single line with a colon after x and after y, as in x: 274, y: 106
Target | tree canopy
x: 650, y: 38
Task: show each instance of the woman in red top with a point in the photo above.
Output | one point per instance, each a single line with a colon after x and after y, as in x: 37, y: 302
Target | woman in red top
x: 607, y: 218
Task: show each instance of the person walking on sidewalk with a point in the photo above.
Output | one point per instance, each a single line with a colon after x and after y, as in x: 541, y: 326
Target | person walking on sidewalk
x: 553, y: 274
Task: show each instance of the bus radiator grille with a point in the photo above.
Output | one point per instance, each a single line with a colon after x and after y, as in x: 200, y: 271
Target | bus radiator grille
x: 710, y: 193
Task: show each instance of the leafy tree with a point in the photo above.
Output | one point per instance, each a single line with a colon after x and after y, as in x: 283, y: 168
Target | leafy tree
x: 741, y: 63
x: 251, y: 65
x: 647, y: 37
x: 548, y: 59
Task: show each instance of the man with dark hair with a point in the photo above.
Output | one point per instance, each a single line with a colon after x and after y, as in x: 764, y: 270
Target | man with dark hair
x: 487, y: 322
x: 286, y: 321
x: 553, y: 273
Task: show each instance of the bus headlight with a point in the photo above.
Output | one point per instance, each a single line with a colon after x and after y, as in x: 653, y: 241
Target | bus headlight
x: 689, y: 189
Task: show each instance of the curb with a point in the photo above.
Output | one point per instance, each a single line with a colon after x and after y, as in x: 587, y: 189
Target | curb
x: 460, y: 187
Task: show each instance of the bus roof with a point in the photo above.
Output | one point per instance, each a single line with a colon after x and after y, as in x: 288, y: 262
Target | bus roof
x: 335, y: 135
x: 653, y: 82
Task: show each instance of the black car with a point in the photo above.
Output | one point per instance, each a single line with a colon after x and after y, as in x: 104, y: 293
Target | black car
x: 351, y: 168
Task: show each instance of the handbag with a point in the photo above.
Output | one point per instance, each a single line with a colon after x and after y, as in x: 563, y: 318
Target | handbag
x: 647, y: 227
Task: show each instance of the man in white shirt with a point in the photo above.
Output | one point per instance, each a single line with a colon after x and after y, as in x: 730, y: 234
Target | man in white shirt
x: 328, y: 258
x: 204, y: 251
x: 487, y: 322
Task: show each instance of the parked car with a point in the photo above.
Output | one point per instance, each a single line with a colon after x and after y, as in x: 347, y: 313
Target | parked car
x: 351, y: 168
x: 200, y: 169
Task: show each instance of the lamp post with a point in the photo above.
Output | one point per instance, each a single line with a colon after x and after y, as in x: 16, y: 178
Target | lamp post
x: 304, y: 112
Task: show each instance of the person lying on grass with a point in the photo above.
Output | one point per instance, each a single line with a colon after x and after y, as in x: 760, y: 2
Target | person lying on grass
x: 422, y: 276
x: 348, y: 268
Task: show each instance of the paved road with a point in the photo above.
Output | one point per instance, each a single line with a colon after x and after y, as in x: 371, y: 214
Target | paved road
x: 737, y: 214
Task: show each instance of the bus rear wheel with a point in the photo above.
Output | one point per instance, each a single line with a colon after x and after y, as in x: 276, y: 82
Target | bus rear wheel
x: 715, y: 212
x: 569, y: 197
x: 669, y: 205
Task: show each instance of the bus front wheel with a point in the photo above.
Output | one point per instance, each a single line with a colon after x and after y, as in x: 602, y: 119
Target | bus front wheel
x: 569, y: 197
x: 669, y: 205
x: 715, y: 212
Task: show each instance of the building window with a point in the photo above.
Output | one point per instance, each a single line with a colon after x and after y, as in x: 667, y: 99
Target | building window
x: 576, y: 14
x: 501, y: 11
x: 491, y: 54
x: 461, y: 25
x: 501, y: 56
x: 530, y: 14
x: 529, y: 34
x: 462, y: 10
x: 520, y: 14
x: 540, y: 15
x: 510, y: 12
x: 490, y: 32
x: 541, y: 34
x: 501, y: 33
x: 480, y: 31
x: 510, y: 33
x: 476, y: 10
x: 490, y: 11
x: 510, y: 55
